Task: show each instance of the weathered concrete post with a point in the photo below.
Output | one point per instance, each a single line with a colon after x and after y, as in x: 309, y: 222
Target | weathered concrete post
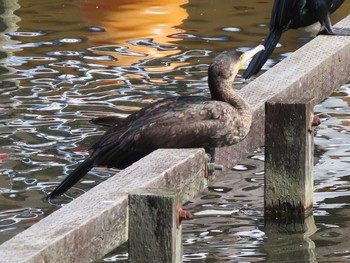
x: 288, y: 157
x: 154, y: 233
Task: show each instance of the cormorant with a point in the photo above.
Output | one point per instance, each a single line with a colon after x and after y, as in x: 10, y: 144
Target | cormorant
x: 293, y: 14
x: 177, y: 122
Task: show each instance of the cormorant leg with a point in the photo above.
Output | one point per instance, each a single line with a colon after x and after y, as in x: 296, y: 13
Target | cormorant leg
x: 335, y: 32
x: 326, y: 25
x: 210, y: 151
x: 328, y: 29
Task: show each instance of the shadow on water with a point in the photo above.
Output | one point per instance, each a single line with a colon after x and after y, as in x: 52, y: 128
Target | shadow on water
x: 63, y: 62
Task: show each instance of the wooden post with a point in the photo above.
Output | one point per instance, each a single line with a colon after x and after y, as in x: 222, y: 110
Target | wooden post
x: 288, y: 157
x: 153, y: 232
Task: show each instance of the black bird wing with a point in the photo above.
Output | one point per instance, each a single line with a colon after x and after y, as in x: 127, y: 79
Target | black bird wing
x: 317, y: 11
x: 186, y: 122
x: 282, y: 13
x: 120, y: 125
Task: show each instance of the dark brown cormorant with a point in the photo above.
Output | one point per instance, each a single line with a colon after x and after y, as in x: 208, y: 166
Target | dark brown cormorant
x: 178, y: 122
x: 293, y: 14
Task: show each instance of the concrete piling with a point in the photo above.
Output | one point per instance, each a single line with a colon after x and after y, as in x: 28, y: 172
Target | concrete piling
x: 289, y: 145
x: 154, y: 231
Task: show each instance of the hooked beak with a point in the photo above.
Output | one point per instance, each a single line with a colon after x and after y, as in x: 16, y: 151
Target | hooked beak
x: 250, y: 54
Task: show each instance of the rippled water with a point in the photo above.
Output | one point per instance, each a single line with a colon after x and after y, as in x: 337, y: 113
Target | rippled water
x: 63, y: 62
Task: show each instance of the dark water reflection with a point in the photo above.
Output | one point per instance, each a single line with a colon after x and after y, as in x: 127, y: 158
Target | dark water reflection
x: 63, y: 62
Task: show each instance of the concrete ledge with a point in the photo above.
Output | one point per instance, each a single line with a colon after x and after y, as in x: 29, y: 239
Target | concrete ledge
x: 95, y: 223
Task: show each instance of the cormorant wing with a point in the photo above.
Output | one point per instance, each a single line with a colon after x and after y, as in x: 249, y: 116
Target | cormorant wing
x: 179, y: 124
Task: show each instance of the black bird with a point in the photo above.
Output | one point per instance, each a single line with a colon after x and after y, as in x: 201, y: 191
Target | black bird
x: 293, y: 14
x: 178, y: 122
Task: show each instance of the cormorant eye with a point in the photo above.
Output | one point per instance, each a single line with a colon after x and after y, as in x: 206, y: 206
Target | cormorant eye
x: 241, y: 60
x: 241, y: 57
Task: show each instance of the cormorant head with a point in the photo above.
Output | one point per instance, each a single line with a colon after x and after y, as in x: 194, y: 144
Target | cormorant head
x: 226, y: 65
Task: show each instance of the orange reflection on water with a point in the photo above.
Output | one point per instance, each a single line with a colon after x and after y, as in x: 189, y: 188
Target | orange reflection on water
x: 166, y: 68
x: 125, y: 20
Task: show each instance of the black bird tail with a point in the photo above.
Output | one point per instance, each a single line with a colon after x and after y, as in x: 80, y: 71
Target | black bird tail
x: 72, y: 178
x: 259, y: 60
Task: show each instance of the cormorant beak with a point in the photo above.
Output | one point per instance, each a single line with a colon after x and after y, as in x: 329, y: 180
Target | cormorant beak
x: 250, y: 54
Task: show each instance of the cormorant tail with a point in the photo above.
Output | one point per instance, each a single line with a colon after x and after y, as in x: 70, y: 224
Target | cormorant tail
x: 72, y: 178
x: 259, y: 60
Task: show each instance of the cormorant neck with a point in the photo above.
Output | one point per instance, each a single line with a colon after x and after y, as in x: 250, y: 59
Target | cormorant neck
x: 222, y: 90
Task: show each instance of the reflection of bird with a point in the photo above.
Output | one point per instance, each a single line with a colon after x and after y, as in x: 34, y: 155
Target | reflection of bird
x: 293, y: 14
x: 179, y: 122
